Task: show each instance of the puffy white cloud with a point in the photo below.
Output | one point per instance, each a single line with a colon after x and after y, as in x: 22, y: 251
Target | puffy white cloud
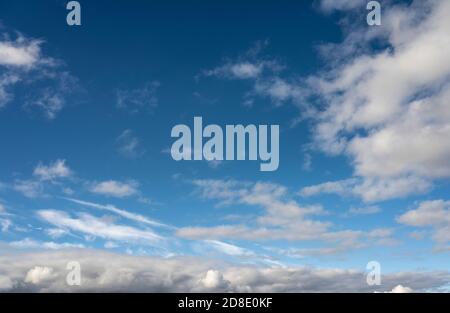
x: 115, y: 188
x: 57, y: 169
x: 126, y: 214
x: 370, y: 189
x: 432, y: 214
x: 213, y: 280
x: 22, y: 60
x: 139, y: 99
x: 238, y: 70
x: 387, y: 108
x: 20, y: 53
x: 56, y: 232
x: 401, y: 289
x: 251, y: 65
x: 39, y: 274
x: 102, y: 271
x: 29, y: 188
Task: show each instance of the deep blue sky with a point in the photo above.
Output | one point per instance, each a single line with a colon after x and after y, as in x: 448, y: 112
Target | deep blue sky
x: 123, y: 45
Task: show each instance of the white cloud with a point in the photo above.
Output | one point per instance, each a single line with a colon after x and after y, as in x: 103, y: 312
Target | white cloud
x: 115, y: 188
x: 388, y: 108
x: 57, y: 169
x: 126, y: 214
x: 5, y: 224
x: 99, y: 227
x: 432, y: 214
x: 39, y: 274
x: 370, y: 189
x: 103, y: 271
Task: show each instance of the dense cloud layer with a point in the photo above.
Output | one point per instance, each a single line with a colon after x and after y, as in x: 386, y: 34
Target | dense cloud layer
x: 102, y: 271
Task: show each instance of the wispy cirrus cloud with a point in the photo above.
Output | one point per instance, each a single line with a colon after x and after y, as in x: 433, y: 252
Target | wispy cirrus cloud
x: 126, y: 214
x: 434, y: 215
x: 370, y: 189
x: 140, y: 99
x: 56, y: 169
x: 43, y: 176
x: 386, y: 108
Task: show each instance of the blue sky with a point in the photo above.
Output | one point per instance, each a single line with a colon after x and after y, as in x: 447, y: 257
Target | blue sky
x: 86, y: 114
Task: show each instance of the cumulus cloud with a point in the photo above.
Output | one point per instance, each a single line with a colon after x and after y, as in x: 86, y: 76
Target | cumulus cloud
x: 213, y: 280
x: 20, y: 53
x: 5, y: 224
x: 434, y: 215
x: 38, y: 274
x: 102, y: 271
x: 57, y: 169
x: 115, y: 188
x: 381, y: 98
x: 387, y: 108
x: 401, y: 289
x: 42, y: 176
x: 29, y: 188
